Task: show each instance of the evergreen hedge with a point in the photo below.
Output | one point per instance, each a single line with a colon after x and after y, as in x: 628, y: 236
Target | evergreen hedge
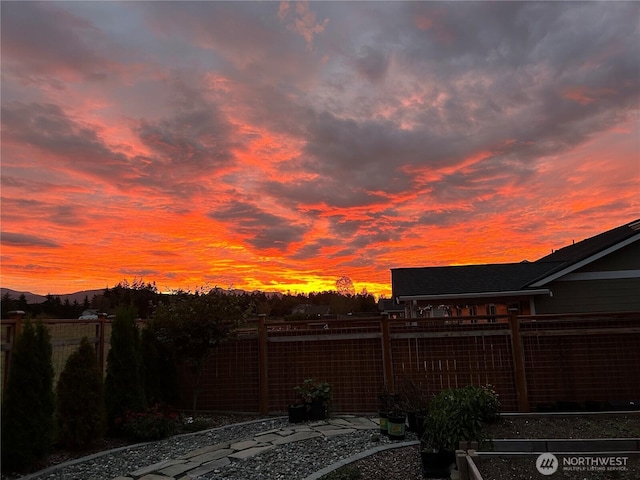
x: 28, y: 405
x: 124, y: 387
x: 80, y: 399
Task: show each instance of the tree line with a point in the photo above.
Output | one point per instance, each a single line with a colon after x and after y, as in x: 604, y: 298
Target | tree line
x: 146, y: 297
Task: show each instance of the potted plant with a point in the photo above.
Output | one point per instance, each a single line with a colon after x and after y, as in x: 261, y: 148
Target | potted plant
x: 386, y: 403
x: 415, y: 402
x: 455, y: 415
x: 396, y: 423
x: 297, y: 412
x: 315, y: 396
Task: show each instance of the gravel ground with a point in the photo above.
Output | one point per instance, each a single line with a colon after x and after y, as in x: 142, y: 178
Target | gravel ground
x: 298, y: 460
x: 294, y: 461
x: 128, y: 459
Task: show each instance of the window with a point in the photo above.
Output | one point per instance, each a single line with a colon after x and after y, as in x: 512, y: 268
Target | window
x: 491, y: 310
x: 473, y: 311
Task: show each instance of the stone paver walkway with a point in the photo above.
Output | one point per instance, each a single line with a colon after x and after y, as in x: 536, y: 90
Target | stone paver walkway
x: 210, y: 458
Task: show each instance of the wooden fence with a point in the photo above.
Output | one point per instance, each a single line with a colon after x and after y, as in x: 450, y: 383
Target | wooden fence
x: 533, y: 362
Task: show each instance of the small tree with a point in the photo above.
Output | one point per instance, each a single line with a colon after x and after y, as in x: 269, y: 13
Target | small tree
x: 124, y: 389
x: 28, y: 405
x: 159, y: 371
x: 80, y: 399
x: 344, y: 286
x: 192, y: 324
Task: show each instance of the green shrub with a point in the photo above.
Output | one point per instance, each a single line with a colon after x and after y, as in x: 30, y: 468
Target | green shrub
x: 28, y: 405
x: 311, y: 390
x: 151, y: 424
x: 459, y: 414
x: 196, y: 425
x: 80, y: 399
x: 124, y: 388
x: 348, y: 472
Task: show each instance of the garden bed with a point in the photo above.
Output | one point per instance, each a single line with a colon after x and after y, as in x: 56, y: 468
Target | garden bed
x: 404, y: 463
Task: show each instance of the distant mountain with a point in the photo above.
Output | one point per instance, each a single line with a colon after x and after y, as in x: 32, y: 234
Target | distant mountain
x: 79, y: 296
x: 34, y: 298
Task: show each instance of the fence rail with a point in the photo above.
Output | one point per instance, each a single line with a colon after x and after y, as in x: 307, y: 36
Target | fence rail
x: 531, y: 361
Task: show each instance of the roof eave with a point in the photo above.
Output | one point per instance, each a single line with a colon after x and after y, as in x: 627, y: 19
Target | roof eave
x: 461, y: 296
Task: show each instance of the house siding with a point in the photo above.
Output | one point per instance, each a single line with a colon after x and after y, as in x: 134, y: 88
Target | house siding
x: 586, y: 296
x: 627, y: 258
x: 601, y: 295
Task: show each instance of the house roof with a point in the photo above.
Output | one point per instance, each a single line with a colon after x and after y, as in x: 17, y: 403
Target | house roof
x: 467, y: 279
x: 593, y: 245
x: 582, y: 253
x: 505, y: 279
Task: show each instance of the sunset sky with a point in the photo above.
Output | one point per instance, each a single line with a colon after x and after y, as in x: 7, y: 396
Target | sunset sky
x: 279, y: 146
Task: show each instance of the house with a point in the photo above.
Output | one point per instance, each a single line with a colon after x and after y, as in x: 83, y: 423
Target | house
x: 312, y: 311
x: 599, y: 274
x: 390, y: 309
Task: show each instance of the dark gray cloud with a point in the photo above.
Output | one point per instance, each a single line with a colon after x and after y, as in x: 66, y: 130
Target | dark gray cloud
x: 44, y: 38
x: 27, y: 240
x: 372, y: 63
x: 48, y: 128
x: 263, y: 230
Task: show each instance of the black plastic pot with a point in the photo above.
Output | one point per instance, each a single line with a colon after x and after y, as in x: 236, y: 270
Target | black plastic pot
x: 419, y: 424
x: 318, y: 410
x: 396, y: 426
x: 297, y: 413
x: 411, y: 422
x: 384, y: 421
x: 437, y: 464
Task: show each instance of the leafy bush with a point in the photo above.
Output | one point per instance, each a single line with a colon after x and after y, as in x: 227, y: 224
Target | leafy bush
x: 348, y: 472
x: 28, y: 405
x: 124, y: 388
x: 191, y: 424
x: 80, y: 399
x: 311, y: 390
x: 458, y: 414
x: 151, y: 424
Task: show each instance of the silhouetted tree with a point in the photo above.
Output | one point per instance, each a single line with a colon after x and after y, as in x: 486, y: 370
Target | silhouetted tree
x: 124, y: 389
x: 80, y: 399
x: 22, y: 303
x: 28, y: 405
x: 8, y: 304
x: 143, y: 296
x: 192, y: 324
x: 159, y: 372
x: 344, y: 286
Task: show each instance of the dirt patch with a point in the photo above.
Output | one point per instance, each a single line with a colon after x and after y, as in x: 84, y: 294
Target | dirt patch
x: 570, y: 427
x: 588, y: 426
x: 404, y: 463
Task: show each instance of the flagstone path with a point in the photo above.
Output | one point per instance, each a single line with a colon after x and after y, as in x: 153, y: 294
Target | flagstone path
x: 213, y: 458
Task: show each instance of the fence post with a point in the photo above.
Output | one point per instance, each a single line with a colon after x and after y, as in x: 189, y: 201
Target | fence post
x: 518, y: 361
x: 386, y: 355
x: 262, y: 367
x: 12, y: 333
